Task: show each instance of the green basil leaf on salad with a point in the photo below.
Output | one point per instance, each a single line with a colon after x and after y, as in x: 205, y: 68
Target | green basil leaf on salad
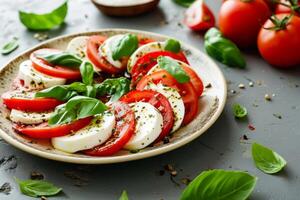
x: 173, y: 46
x: 37, y: 188
x: 36, y: 19
x: 116, y: 88
x: 59, y: 92
x: 239, y: 111
x: 125, y: 46
x: 185, y: 3
x: 220, y: 184
x: 87, y: 72
x: 266, y: 159
x: 223, y: 49
x: 76, y: 108
x: 173, y: 67
x: 124, y: 196
x: 10, y: 46
x: 64, y: 59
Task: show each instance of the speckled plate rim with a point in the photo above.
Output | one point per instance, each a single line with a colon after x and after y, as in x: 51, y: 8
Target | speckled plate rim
x: 130, y: 157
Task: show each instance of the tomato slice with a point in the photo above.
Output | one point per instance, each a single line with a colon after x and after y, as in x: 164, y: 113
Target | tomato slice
x: 186, y: 90
x: 13, y: 101
x: 199, y: 17
x: 149, y: 60
x: 159, y: 101
x: 195, y: 80
x: 143, y: 41
x: 93, y: 44
x: 53, y: 70
x: 123, y: 132
x: 44, y: 131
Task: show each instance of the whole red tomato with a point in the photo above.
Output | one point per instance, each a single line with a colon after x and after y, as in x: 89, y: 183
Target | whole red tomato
x: 287, y: 6
x: 240, y: 20
x: 279, y: 42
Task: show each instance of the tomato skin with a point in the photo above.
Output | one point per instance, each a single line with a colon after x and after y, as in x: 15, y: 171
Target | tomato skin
x: 55, y: 71
x: 195, y: 80
x: 279, y: 47
x: 159, y: 101
x: 149, y: 60
x: 198, y: 22
x: 280, y: 9
x: 240, y: 21
x: 31, y: 105
x: 124, y: 130
x: 43, y: 131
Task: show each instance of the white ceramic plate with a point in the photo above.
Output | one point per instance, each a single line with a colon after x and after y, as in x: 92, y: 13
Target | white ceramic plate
x: 211, y: 105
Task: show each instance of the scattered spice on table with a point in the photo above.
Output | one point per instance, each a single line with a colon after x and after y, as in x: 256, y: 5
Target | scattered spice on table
x: 277, y: 115
x: 251, y: 127
x: 41, y: 36
x: 241, y: 86
x: 251, y: 84
x: 34, y: 175
x: 268, y: 97
x: 9, y: 162
x: 5, y: 188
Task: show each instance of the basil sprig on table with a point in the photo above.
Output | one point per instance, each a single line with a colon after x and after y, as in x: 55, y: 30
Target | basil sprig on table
x: 37, y: 188
x: 172, y: 45
x: 124, y: 196
x: 10, y: 46
x: 223, y: 49
x: 266, y: 159
x: 173, y: 67
x: 61, y: 58
x: 185, y: 3
x: 45, y: 21
x: 220, y: 184
x: 76, y: 108
x: 125, y: 46
x: 239, y: 111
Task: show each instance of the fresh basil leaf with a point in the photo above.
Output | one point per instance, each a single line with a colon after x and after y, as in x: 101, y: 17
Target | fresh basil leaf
x: 221, y: 185
x: 239, y: 111
x: 10, y: 46
x: 76, y: 108
x: 185, y: 3
x: 172, y: 66
x: 116, y: 88
x: 87, y: 72
x: 90, y: 91
x: 45, y: 21
x: 124, y: 196
x: 266, y: 159
x: 59, y: 92
x: 37, y: 188
x: 64, y: 59
x: 125, y: 46
x: 223, y: 49
x: 172, y: 45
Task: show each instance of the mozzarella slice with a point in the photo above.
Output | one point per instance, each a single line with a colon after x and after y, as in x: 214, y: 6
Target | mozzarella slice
x: 29, y: 117
x: 106, y: 50
x: 149, y: 124
x: 34, y: 79
x: 175, y: 100
x: 141, y: 51
x: 96, y: 133
x: 78, y: 47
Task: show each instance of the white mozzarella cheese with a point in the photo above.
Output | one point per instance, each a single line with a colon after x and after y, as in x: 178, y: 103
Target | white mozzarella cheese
x: 19, y: 116
x: 106, y: 50
x: 141, y: 51
x: 78, y: 47
x: 34, y: 79
x: 95, y: 134
x: 175, y: 100
x: 149, y: 124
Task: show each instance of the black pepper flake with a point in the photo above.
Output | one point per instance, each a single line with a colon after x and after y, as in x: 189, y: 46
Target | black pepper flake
x: 208, y: 85
x: 5, y: 188
x: 277, y: 115
x: 36, y: 175
x: 166, y: 140
x: 244, y: 137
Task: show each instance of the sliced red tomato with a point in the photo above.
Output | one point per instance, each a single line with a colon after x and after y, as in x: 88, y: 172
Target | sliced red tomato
x: 149, y: 60
x: 44, y: 131
x: 53, y: 70
x: 123, y: 132
x: 199, y: 17
x: 159, y: 101
x: 195, y: 80
x: 13, y: 101
x: 186, y: 90
x: 92, y: 52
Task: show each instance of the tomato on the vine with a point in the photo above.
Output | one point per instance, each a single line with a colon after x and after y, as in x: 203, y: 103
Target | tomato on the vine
x: 288, y: 7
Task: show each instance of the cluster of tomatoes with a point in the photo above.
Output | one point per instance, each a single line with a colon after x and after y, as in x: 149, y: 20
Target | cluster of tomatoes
x: 272, y: 26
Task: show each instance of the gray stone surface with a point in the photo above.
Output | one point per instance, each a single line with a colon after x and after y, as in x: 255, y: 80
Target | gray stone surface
x: 220, y: 147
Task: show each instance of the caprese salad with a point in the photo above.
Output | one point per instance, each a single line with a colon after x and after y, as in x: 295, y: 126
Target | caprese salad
x: 103, y: 94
